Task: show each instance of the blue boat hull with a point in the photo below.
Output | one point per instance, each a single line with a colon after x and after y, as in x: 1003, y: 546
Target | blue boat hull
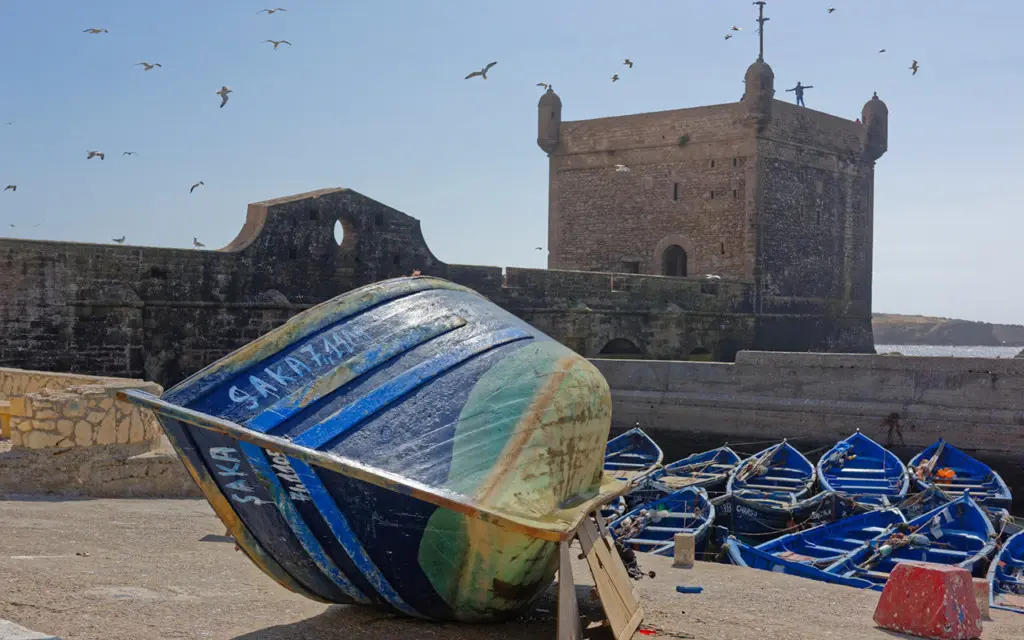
x: 826, y: 543
x: 1006, y: 576
x: 743, y: 555
x: 755, y: 522
x: 986, y: 486
x: 708, y: 470
x: 685, y: 511
x: 632, y: 456
x: 861, y: 468
x: 421, y: 392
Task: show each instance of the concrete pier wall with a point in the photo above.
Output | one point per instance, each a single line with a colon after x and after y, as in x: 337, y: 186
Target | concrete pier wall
x: 814, y: 399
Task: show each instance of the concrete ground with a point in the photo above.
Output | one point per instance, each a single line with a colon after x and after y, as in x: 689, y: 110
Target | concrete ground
x: 138, y: 569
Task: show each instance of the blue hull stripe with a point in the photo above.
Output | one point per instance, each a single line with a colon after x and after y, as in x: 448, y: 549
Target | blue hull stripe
x: 400, y: 386
x: 339, y: 526
x: 391, y: 346
x: 308, y: 539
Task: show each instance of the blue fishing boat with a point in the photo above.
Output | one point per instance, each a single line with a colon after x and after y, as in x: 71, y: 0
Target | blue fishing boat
x: 651, y: 527
x: 767, y: 489
x: 644, y: 490
x: 826, y: 543
x: 953, y: 471
x: 1006, y: 576
x: 958, y: 533
x: 756, y: 520
x: 917, y: 504
x: 864, y: 470
x: 408, y: 444
x: 632, y: 456
x: 744, y: 555
x: 708, y: 470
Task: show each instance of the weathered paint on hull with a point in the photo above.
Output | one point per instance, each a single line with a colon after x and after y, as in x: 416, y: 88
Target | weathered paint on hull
x: 423, y: 380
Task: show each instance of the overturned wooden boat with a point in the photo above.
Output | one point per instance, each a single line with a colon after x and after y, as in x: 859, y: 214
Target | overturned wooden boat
x: 652, y: 526
x: 408, y: 444
x: 708, y: 470
x: 958, y: 533
x: 632, y: 456
x: 1006, y: 576
x: 953, y: 471
x: 826, y: 543
x: 744, y: 555
x: 864, y: 470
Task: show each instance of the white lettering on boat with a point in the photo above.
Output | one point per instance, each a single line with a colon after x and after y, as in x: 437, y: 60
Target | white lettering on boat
x: 228, y: 462
x: 279, y: 381
x: 283, y: 468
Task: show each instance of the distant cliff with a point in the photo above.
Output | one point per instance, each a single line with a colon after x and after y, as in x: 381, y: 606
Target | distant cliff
x: 899, y: 329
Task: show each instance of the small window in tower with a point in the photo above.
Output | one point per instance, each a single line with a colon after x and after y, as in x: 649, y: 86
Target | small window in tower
x: 397, y: 259
x: 630, y: 267
x: 735, y: 194
x: 675, y: 190
x: 722, y: 245
x: 735, y: 162
x: 712, y: 195
x: 712, y: 164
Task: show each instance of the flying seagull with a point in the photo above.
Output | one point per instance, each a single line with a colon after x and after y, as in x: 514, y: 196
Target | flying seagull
x: 118, y: 240
x: 270, y: 11
x: 711, y: 276
x: 544, y: 85
x: 129, y: 153
x: 881, y: 51
x: 223, y: 93
x: 11, y: 187
x: 148, y: 67
x: 9, y: 123
x: 278, y: 42
x: 198, y: 184
x: 628, y: 63
x: 197, y: 244
x: 94, y: 30
x: 95, y: 154
x: 728, y: 35
x: 538, y: 248
x: 831, y: 9
x: 483, y: 72
x: 735, y: 28
x: 615, y: 77
x: 621, y: 168
x: 914, y: 67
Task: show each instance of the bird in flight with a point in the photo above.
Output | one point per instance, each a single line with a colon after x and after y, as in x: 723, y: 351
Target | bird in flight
x: 728, y: 35
x: 278, y: 42
x: 118, y: 240
x: 615, y: 77
x: 148, y: 67
x: 544, y: 85
x: 94, y: 30
x: 628, y: 63
x: 9, y: 123
x: 198, y: 184
x: 11, y: 187
x: 483, y: 72
x: 735, y: 28
x: 621, y: 168
x: 95, y: 154
x: 270, y: 11
x: 538, y: 248
x: 914, y: 67
x: 197, y: 244
x: 831, y: 9
x: 881, y: 51
x: 129, y: 153
x: 223, y: 93
x: 711, y: 276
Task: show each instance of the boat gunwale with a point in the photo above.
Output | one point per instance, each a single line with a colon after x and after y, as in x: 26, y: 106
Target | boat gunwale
x: 646, y: 472
x: 827, y: 485
x: 796, y: 496
x: 1003, y: 490
x: 698, y: 532
x: 552, y: 532
x: 991, y: 574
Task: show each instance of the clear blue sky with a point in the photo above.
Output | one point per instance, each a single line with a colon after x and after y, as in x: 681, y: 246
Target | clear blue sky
x: 372, y: 97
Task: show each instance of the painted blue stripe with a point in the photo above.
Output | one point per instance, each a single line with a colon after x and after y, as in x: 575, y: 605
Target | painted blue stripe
x: 391, y: 346
x: 316, y: 552
x: 339, y: 526
x: 401, y: 385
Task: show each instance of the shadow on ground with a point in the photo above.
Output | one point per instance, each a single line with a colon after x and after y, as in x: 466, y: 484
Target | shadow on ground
x: 362, y: 623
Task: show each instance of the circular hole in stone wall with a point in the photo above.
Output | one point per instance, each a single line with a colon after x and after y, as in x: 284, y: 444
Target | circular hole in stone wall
x: 339, y: 232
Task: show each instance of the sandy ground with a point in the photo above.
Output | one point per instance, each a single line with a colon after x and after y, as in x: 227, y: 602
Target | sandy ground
x: 131, y: 569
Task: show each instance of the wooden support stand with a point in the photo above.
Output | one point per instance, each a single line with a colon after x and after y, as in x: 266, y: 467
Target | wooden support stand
x: 619, y: 599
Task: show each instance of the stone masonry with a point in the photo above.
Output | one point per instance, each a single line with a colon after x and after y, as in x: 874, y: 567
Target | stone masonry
x: 759, y: 191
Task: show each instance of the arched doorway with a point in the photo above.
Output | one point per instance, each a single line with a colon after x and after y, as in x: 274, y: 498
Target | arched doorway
x: 620, y: 348
x: 673, y: 261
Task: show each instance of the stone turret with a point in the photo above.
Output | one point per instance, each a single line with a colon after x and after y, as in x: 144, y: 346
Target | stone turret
x: 760, y: 80
x: 549, y: 121
x: 875, y: 116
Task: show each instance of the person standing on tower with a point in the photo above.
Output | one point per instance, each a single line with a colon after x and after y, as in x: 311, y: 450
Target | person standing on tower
x: 799, y: 88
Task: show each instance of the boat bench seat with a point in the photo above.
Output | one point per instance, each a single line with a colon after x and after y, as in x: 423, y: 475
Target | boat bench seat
x: 952, y: 553
x: 624, y: 465
x: 655, y: 543
x: 666, y: 529
x: 821, y: 547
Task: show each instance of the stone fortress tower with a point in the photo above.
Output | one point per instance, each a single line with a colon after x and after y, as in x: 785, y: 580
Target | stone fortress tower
x: 758, y: 191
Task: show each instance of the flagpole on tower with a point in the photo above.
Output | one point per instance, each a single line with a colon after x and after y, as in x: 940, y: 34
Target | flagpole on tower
x: 760, y: 30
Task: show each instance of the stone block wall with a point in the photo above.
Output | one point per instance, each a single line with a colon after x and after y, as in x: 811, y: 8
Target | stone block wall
x: 82, y: 416
x: 18, y: 382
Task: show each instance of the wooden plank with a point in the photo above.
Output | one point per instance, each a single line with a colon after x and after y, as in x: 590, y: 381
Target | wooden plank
x: 619, y: 598
x: 569, y: 627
